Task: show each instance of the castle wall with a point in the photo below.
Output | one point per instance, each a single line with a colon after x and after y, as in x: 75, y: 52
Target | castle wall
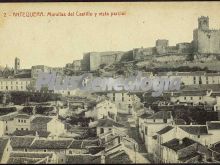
x: 95, y: 61
x: 184, y: 47
x: 76, y: 65
x: 171, y: 58
x: 144, y: 53
x: 86, y: 62
x: 92, y: 60
x: 110, y: 58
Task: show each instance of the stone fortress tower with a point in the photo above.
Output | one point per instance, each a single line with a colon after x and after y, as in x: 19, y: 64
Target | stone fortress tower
x: 17, y: 64
x: 203, y: 23
x: 161, y: 46
x: 205, y: 40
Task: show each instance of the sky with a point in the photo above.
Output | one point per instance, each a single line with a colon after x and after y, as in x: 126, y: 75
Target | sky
x: 56, y: 41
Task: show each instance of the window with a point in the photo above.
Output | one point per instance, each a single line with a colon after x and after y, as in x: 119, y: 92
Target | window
x: 200, y: 80
x: 191, y: 98
x: 22, y: 129
x: 184, y: 98
x: 194, y: 80
x: 24, y: 121
x: 165, y: 120
x: 198, y: 136
x: 26, y: 129
x: 25, y: 150
x: 16, y: 128
x: 207, y: 80
x: 146, y: 130
x: 101, y: 130
x: 70, y: 152
x: 45, y: 150
x: 19, y: 120
x: 200, y: 98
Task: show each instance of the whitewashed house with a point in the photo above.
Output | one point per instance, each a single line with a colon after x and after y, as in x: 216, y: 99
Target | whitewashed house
x: 19, y: 122
x: 103, y: 109
x: 48, y: 124
x: 105, y: 126
x: 198, y: 133
x: 5, y: 149
x: 193, y: 78
x: 125, y: 101
x: 184, y: 150
x: 217, y: 105
x: 153, y: 124
x: 194, y: 97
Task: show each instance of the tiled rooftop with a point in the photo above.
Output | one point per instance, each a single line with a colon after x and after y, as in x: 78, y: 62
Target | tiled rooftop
x: 161, y: 115
x: 213, y: 125
x: 83, y: 159
x: 118, y: 157
x: 31, y: 133
x: 76, y: 144
x: 23, y: 116
x: 23, y: 160
x: 180, y: 122
x: 190, y: 156
x: 195, y: 129
x: 108, y: 123
x: 41, y: 120
x: 21, y: 142
x: 51, y: 144
x: 145, y: 115
x: 216, y: 147
x: 31, y: 154
x: 95, y: 150
x: 175, y: 144
x: 165, y: 130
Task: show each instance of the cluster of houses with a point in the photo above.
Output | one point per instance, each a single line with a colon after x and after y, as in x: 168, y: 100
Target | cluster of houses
x: 172, y: 141
x: 38, y: 139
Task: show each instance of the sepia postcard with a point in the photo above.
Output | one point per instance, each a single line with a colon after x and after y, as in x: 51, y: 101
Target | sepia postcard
x: 110, y: 83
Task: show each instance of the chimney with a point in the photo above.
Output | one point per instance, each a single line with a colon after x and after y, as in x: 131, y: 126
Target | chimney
x: 36, y: 135
x: 34, y: 110
x: 180, y: 141
x: 171, y: 93
x: 102, y: 158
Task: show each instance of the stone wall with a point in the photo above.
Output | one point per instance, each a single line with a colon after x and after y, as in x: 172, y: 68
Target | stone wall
x: 207, y: 41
